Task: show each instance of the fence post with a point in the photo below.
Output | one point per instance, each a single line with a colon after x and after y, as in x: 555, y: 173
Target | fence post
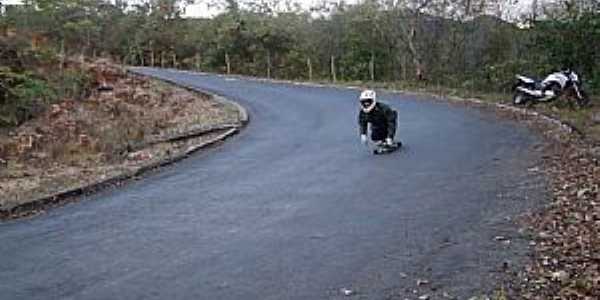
x: 310, y: 70
x: 228, y: 62
x: 333, y: 75
x: 268, y: 64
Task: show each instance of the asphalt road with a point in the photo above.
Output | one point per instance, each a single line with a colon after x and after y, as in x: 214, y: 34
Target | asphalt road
x: 294, y: 208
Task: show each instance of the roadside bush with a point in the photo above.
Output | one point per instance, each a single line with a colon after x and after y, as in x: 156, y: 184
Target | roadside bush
x: 21, y: 97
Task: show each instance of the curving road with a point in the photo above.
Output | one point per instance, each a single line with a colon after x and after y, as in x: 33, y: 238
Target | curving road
x: 294, y: 208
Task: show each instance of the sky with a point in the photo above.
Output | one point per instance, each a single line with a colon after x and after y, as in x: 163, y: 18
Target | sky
x: 202, y: 10
x: 510, y: 9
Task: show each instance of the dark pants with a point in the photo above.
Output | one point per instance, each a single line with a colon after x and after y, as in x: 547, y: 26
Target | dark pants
x: 380, y: 133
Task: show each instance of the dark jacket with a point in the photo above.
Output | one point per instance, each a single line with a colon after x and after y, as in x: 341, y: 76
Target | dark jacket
x: 382, y: 118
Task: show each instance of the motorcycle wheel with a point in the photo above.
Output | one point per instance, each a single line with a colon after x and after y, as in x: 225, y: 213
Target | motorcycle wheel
x: 519, y: 99
x: 584, y: 101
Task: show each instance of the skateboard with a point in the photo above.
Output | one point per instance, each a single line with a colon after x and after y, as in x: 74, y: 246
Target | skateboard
x: 385, y: 149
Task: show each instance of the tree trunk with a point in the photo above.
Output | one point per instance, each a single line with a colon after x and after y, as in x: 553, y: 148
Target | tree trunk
x: 408, y: 37
x: 174, y: 56
x: 416, y: 56
x: 162, y: 59
x: 152, y: 62
x: 197, y: 61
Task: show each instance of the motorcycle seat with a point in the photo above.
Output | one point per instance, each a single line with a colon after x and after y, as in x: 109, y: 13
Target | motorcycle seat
x: 525, y: 79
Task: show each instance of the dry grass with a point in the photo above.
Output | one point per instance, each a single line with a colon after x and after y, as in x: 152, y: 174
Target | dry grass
x: 78, y: 142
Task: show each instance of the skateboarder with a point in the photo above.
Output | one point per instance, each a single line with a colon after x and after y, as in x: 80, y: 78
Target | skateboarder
x: 382, y: 119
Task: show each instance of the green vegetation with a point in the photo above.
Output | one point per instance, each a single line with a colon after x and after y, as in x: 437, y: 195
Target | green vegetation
x: 31, y: 79
x: 430, y: 44
x: 19, y: 93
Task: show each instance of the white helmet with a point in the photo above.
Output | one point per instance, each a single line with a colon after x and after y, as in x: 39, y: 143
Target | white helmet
x: 368, y: 99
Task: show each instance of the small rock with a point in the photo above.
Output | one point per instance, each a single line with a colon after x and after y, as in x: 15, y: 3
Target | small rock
x: 424, y: 297
x: 582, y: 192
x: 545, y: 262
x: 55, y: 110
x: 347, y: 292
x: 561, y: 276
x: 596, y: 118
x: 501, y: 238
x: 84, y: 140
x: 39, y: 155
x: 105, y: 88
x: 447, y: 296
x: 545, y: 235
x: 139, y: 155
x: 422, y: 282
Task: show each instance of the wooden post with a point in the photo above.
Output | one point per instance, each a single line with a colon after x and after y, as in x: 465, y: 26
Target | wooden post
x: 333, y: 75
x: 310, y: 70
x: 228, y: 63
x: 372, y: 66
x: 268, y: 64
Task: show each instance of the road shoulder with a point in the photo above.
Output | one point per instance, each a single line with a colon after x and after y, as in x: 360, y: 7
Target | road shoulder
x: 80, y: 147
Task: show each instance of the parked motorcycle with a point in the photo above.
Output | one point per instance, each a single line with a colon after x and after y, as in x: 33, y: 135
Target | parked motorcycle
x: 530, y: 91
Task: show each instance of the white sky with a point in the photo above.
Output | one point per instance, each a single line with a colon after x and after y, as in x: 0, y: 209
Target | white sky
x: 509, y: 10
x: 202, y: 9
x: 10, y: 2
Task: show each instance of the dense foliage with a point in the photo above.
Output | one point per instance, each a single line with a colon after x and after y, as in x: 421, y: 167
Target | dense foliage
x: 445, y: 43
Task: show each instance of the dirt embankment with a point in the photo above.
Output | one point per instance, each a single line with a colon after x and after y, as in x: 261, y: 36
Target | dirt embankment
x: 127, y: 124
